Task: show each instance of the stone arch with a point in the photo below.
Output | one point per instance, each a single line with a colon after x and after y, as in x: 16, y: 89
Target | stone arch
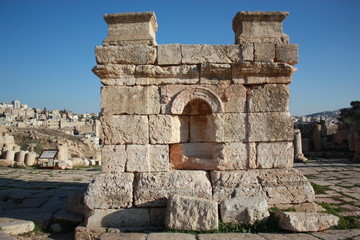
x: 195, y: 94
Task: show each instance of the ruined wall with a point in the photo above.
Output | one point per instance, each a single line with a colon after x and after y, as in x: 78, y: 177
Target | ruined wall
x: 175, y: 116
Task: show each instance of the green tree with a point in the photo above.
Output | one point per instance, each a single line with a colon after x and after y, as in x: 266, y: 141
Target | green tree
x: 350, y: 116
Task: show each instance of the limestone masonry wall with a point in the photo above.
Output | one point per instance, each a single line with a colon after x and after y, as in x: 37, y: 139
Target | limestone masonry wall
x: 207, y: 121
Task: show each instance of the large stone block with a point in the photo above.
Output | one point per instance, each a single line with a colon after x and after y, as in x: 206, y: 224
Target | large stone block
x: 110, y: 191
x: 259, y: 27
x: 287, y: 53
x: 270, y: 126
x: 113, y: 158
x: 115, y: 74
x: 153, y: 189
x: 232, y: 96
x: 280, y: 186
x: 268, y: 98
x: 229, y: 127
x: 264, y: 52
x: 248, y: 210
x: 211, y: 156
x: 214, y: 73
x: 261, y: 72
x: 275, y: 155
x: 165, y: 129
x: 115, y: 218
x: 157, y: 75
x: 169, y: 54
x: 130, y: 100
x: 147, y: 158
x: 306, y: 221
x: 247, y: 52
x: 130, y: 28
x: 195, y: 54
x: 190, y: 213
x: 125, y: 129
x: 131, y: 54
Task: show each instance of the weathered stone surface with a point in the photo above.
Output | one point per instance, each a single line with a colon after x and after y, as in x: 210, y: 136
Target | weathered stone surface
x: 280, y: 186
x: 210, y: 156
x: 130, y: 100
x: 110, y: 191
x: 153, y: 189
x: 115, y: 74
x: 269, y: 98
x: 5, y: 236
x: 157, y: 216
x: 302, y: 207
x: 264, y: 52
x: 338, y: 234
x: 156, y: 75
x: 287, y: 53
x: 113, y: 158
x: 233, y: 97
x: 214, y: 73
x: 275, y: 155
x: 6, y: 162
x: 169, y: 54
x: 147, y: 158
x: 261, y: 72
x: 270, y: 126
x: 287, y: 236
x: 129, y: 217
x: 125, y: 129
x: 172, y: 236
x: 15, y: 226
x: 195, y: 54
x: 230, y: 236
x: 84, y: 233
x: 189, y: 213
x: 165, y: 129
x: 131, y: 54
x: 123, y: 236
x: 259, y: 27
x: 305, y: 221
x: 246, y: 210
x: 247, y: 52
x: 130, y: 28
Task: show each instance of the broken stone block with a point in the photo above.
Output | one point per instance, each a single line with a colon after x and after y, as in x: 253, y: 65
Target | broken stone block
x: 268, y: 98
x: 195, y: 54
x: 248, y: 210
x: 110, y: 191
x: 190, y: 213
x: 174, y: 129
x: 153, y: 189
x: 65, y: 164
x: 131, y: 28
x: 306, y: 221
x: 270, y: 126
x: 115, y: 74
x: 130, y: 100
x: 82, y: 232
x: 214, y: 73
x: 15, y: 226
x: 147, y: 158
x: 169, y: 54
x: 275, y: 155
x: 129, y: 217
x: 287, y: 53
x: 125, y: 129
x: 113, y: 158
x: 157, y: 75
x: 264, y: 52
x: 259, y: 27
x: 138, y: 54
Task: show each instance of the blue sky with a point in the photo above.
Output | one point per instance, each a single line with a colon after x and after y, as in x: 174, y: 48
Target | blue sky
x: 47, y: 46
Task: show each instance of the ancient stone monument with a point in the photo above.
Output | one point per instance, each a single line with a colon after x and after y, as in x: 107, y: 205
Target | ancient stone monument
x: 197, y: 122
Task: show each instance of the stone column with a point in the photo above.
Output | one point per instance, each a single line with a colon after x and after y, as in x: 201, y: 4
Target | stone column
x: 63, y: 152
x: 10, y: 155
x: 20, y: 156
x: 299, y: 156
x: 30, y: 159
x: 317, y: 137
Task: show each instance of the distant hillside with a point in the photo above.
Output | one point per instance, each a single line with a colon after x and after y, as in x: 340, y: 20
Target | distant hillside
x: 327, y: 114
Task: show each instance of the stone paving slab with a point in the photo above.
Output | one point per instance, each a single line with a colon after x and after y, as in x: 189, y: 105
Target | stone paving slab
x: 287, y: 236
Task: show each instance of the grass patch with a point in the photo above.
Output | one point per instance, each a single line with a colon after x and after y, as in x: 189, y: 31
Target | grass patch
x: 310, y: 176
x: 319, y: 189
x: 347, y: 222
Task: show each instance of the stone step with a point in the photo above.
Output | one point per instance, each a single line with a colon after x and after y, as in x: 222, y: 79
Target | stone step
x: 15, y: 226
